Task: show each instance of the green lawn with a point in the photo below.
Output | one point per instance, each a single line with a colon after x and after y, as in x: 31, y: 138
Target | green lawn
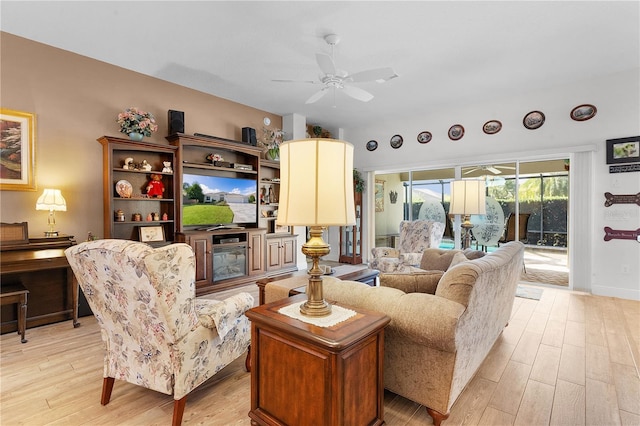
x: 206, y: 214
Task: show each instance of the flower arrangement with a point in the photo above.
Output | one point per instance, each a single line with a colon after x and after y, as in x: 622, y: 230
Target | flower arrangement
x: 271, y: 139
x: 135, y: 120
x: 215, y: 157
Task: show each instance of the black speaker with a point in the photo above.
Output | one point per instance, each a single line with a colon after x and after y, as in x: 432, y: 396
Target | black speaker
x: 249, y: 136
x: 176, y: 122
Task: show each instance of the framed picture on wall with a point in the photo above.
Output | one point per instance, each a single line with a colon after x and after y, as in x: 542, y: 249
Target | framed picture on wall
x: 623, y: 150
x: 17, y: 138
x: 379, y: 197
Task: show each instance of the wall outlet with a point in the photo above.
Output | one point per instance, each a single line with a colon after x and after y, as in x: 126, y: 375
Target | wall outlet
x: 625, y: 268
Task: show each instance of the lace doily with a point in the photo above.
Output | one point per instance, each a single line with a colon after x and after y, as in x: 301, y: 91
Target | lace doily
x: 337, y: 315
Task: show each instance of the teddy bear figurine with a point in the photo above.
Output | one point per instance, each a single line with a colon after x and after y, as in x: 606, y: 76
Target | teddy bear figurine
x: 167, y: 167
x: 155, y: 188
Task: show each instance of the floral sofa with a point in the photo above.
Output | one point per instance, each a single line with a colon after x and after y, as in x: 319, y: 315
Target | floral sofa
x: 440, y: 334
x: 156, y: 333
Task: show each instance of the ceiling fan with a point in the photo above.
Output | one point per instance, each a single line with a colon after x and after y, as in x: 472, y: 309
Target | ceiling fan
x: 334, y: 78
x: 489, y: 168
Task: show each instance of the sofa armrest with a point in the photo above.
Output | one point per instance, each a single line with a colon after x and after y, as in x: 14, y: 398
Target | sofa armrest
x: 384, y: 252
x: 428, y: 320
x: 415, y: 282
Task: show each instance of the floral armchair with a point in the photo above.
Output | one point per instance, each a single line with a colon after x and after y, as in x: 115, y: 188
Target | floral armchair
x: 156, y: 333
x: 415, y: 237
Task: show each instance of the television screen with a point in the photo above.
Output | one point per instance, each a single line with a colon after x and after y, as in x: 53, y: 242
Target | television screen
x: 209, y: 201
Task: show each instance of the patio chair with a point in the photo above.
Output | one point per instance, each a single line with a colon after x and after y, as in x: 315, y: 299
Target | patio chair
x: 510, y: 228
x: 488, y: 228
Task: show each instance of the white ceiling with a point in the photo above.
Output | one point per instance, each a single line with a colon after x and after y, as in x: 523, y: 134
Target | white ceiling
x: 445, y: 53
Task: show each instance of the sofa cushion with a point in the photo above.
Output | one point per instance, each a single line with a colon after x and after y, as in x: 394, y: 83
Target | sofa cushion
x: 434, y: 259
x: 414, y: 282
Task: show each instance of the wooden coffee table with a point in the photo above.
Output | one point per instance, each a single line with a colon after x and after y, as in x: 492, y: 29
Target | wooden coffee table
x: 364, y: 275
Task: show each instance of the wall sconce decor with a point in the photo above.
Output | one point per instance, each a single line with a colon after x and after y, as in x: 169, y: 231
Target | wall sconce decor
x: 393, y: 196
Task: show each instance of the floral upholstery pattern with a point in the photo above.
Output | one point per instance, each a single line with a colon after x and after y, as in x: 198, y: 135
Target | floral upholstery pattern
x: 151, y: 323
x: 415, y: 237
x: 488, y: 228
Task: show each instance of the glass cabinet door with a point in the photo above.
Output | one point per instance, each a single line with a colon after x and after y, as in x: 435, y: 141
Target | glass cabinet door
x: 351, y: 237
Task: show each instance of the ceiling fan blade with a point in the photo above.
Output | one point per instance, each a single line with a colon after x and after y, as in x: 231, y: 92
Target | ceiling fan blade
x: 470, y: 171
x: 295, y: 81
x: 357, y: 93
x: 326, y: 64
x: 378, y: 74
x: 316, y: 96
x: 494, y: 170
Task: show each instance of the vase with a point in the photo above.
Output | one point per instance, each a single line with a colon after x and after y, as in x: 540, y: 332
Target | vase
x: 135, y: 136
x: 273, y: 154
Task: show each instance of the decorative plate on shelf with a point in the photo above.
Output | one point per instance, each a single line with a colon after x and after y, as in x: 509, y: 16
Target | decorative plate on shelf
x: 124, y: 188
x: 583, y: 112
x: 492, y: 127
x: 396, y: 141
x: 372, y: 145
x: 533, y: 120
x: 424, y: 137
x: 456, y: 132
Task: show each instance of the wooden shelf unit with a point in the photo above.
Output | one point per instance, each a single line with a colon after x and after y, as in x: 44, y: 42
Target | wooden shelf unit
x: 115, y: 152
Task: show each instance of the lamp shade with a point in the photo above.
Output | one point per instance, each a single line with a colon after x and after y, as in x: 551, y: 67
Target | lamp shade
x: 316, y: 183
x: 52, y: 200
x: 467, y: 197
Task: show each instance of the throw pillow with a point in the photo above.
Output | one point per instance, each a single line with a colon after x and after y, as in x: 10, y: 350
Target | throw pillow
x: 434, y: 259
x: 458, y: 258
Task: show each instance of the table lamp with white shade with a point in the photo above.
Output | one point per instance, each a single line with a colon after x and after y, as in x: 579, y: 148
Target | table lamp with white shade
x: 467, y: 198
x: 53, y: 201
x: 316, y: 190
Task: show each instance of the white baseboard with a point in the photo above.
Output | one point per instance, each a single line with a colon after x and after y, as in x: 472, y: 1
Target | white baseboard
x: 622, y: 293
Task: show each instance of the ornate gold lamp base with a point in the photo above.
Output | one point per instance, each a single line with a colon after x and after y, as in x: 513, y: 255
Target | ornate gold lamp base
x: 315, y: 248
x: 467, y: 225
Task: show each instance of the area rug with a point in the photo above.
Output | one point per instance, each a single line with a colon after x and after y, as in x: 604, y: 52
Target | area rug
x: 529, y: 292
x: 543, y: 276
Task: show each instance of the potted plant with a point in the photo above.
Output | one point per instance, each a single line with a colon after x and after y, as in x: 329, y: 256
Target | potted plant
x: 358, y: 181
x: 137, y: 123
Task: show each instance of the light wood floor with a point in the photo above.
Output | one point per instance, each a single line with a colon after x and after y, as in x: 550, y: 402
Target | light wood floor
x: 568, y: 359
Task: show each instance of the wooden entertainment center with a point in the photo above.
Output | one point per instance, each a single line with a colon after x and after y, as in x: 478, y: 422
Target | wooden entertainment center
x: 227, y: 254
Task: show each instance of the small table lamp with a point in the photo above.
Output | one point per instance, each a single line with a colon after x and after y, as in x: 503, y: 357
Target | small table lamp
x: 316, y: 190
x: 467, y: 198
x: 52, y: 200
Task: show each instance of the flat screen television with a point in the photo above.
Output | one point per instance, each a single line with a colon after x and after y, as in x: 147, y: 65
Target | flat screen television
x: 212, y: 202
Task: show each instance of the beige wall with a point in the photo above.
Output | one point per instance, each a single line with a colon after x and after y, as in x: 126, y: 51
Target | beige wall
x: 76, y: 100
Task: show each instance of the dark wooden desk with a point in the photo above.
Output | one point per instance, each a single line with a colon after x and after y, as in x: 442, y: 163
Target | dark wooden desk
x: 302, y: 374
x: 42, y: 268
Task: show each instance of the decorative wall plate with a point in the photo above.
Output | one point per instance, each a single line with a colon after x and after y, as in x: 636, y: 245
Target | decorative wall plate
x: 124, y: 189
x: 533, y: 120
x: 456, y: 132
x: 424, y: 137
x: 492, y: 127
x: 372, y: 145
x: 396, y: 141
x: 583, y: 112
